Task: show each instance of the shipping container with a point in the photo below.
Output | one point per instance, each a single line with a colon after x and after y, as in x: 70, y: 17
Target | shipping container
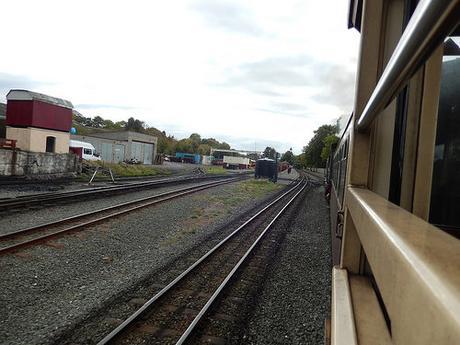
x: 193, y: 158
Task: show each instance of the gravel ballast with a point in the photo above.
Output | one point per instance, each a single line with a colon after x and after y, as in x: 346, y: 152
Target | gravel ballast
x: 47, y: 289
x: 295, y: 299
x: 18, y: 220
x: 15, y: 187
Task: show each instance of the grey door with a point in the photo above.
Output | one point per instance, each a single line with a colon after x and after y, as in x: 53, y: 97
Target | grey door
x: 119, y: 154
x: 106, y: 152
x: 148, y: 153
x: 136, y: 151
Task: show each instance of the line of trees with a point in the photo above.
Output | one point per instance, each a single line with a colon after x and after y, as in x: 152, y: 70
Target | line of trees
x: 97, y: 122
x: 196, y: 144
x: 316, y: 152
x: 167, y: 144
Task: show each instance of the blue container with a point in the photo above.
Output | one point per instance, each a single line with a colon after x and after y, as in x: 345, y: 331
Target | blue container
x: 194, y: 158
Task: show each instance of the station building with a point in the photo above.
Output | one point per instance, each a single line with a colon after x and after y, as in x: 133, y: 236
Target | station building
x: 38, y: 123
x: 119, y: 146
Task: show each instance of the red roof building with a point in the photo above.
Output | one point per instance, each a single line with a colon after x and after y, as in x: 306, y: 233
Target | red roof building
x: 38, y: 122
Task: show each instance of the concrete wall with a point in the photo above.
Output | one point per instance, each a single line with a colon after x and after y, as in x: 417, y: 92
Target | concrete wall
x: 15, y: 162
x: 34, y: 139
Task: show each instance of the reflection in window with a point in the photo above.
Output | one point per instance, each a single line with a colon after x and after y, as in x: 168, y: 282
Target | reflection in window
x: 340, y: 170
x: 445, y: 194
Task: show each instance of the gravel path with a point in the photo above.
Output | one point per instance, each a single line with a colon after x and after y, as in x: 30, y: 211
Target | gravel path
x: 295, y: 299
x: 46, y: 290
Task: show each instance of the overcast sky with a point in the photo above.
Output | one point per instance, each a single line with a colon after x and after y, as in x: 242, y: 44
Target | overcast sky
x: 252, y: 73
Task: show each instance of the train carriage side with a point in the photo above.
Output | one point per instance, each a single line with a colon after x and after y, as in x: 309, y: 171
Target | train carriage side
x: 335, y: 186
x: 396, y: 278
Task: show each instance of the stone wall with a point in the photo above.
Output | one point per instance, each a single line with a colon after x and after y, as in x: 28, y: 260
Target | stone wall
x: 20, y: 163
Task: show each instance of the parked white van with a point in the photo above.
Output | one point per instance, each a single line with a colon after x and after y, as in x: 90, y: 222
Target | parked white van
x: 84, y: 150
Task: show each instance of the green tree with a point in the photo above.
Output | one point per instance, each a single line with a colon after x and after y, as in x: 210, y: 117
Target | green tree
x: 78, y: 118
x: 119, y: 125
x: 269, y: 152
x: 135, y: 125
x: 185, y: 145
x: 211, y: 142
x: 329, y: 144
x: 162, y: 145
x: 195, y: 137
x: 204, y: 149
x: 289, y: 157
x: 224, y: 146
x: 195, y: 140
x: 108, y: 124
x: 88, y: 122
x: 315, y: 146
x: 98, y: 122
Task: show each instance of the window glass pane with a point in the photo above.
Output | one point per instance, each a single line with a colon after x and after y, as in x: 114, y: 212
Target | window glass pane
x: 445, y: 194
x: 88, y: 151
x: 343, y: 172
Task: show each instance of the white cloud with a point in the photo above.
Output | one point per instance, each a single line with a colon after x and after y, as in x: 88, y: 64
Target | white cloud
x: 259, y: 71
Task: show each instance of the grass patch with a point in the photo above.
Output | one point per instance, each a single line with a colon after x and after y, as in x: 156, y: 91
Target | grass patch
x: 258, y: 188
x: 221, y: 204
x: 126, y: 170
x: 215, y: 170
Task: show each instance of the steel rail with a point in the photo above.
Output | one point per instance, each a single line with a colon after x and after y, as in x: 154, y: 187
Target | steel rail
x: 227, y: 279
x: 163, y: 197
x: 30, y: 199
x: 95, y: 212
x: 119, y: 329
x: 431, y: 22
x: 94, y: 189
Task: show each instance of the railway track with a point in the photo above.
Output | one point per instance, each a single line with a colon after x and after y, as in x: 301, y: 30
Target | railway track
x: 16, y: 240
x: 52, y: 198
x: 172, y: 315
x: 314, y: 176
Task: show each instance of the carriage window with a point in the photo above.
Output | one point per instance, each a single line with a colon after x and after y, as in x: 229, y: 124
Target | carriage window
x: 445, y: 193
x: 340, y: 169
x: 343, y: 170
x: 88, y: 151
